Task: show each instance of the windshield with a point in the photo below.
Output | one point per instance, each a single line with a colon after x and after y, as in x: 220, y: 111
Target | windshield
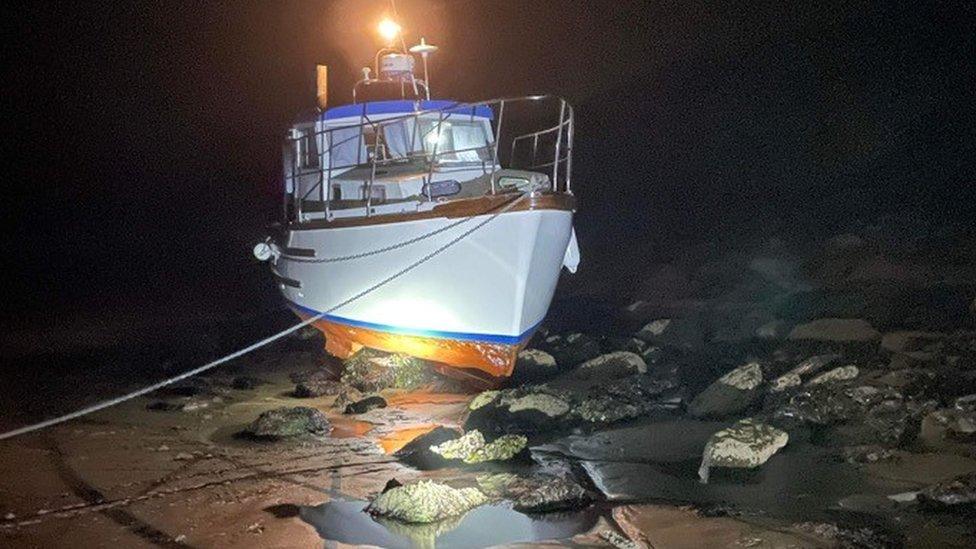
x: 456, y: 141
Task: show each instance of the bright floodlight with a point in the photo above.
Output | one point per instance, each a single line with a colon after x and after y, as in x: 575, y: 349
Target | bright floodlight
x: 389, y: 29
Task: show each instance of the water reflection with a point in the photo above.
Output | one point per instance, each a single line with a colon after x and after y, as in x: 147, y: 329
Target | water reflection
x: 345, y: 522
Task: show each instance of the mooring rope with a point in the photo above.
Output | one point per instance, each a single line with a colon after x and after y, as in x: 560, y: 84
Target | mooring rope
x: 210, y: 365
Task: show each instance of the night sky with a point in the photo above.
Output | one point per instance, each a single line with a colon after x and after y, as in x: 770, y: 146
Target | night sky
x: 142, y: 140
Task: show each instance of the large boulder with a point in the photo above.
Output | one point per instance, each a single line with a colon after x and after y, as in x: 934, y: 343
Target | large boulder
x: 425, y: 502
x: 289, y: 422
x: 732, y: 393
x: 908, y: 341
x: 745, y: 445
x: 318, y: 383
x: 473, y: 449
x: 533, y: 365
x: 955, y: 493
x: 836, y: 330
x: 538, y: 493
x: 371, y: 371
x: 569, y: 402
x: 418, y: 452
x: 364, y: 405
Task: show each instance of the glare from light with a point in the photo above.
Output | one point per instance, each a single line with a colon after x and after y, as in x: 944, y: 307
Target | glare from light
x: 389, y: 29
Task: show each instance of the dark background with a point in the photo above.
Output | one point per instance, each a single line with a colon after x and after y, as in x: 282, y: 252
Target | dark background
x: 142, y: 139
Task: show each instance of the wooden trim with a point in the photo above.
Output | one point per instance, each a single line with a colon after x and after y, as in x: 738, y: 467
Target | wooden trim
x: 465, y: 207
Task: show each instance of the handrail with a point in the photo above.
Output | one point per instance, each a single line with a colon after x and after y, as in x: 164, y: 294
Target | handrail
x: 559, y: 137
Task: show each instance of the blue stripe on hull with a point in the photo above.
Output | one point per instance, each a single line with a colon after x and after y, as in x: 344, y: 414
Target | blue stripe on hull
x: 460, y: 336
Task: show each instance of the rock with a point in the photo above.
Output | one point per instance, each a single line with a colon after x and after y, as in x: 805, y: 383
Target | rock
x: 539, y: 493
x: 836, y: 329
x: 418, y: 452
x: 573, y: 349
x: 533, y: 364
x: 183, y: 456
x: 483, y: 399
x: 684, y: 333
x: 838, y: 536
x: 844, y: 373
x: 365, y: 405
x: 318, y: 383
x: 346, y: 396
x: 425, y: 502
x: 954, y: 493
x: 654, y: 328
x: 745, y: 445
x: 966, y: 403
x: 730, y: 394
x: 916, y: 359
x: 948, y: 429
x: 472, y: 448
x: 371, y: 371
x: 289, y: 422
x: 908, y: 341
x: 908, y: 381
x: 246, y: 383
x: 540, y: 402
x: 163, y: 406
x: 611, y: 366
x: 629, y: 344
x: 794, y: 378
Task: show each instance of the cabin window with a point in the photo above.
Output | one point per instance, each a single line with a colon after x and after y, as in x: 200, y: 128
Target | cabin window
x: 456, y: 141
x: 308, y: 151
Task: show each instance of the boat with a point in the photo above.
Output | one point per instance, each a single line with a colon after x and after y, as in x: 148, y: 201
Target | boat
x: 473, y: 199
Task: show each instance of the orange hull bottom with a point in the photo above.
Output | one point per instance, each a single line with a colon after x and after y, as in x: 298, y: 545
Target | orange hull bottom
x: 494, y: 359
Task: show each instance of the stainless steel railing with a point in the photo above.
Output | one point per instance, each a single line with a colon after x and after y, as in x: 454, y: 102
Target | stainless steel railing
x: 517, y: 112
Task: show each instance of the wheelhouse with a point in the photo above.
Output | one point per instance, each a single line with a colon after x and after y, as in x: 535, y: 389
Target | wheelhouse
x: 400, y: 156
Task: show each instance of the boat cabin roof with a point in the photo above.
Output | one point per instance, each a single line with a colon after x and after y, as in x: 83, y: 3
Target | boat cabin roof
x: 402, y: 107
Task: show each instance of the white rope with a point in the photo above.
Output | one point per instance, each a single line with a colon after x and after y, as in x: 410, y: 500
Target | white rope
x: 145, y: 390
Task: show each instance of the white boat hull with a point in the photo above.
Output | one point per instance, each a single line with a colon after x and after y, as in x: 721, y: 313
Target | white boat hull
x: 490, y: 289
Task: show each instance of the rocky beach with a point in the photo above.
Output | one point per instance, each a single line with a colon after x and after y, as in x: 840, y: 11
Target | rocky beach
x: 778, y: 396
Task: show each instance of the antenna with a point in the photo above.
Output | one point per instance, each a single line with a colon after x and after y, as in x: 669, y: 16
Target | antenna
x: 424, y: 49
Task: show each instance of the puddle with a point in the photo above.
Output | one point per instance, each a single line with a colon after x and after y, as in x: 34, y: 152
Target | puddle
x: 346, y: 427
x: 393, y: 441
x: 488, y: 525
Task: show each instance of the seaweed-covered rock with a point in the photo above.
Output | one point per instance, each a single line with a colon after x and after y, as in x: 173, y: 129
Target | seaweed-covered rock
x: 425, y: 502
x: 289, y: 422
x: 837, y: 330
x: 418, y: 452
x: 611, y: 366
x: 365, y: 405
x: 316, y: 384
x: 533, y: 364
x: 539, y: 493
x: 745, y: 445
x: 472, y: 448
x: 730, y: 394
x: 371, y: 371
x: 347, y: 395
x: 954, y: 493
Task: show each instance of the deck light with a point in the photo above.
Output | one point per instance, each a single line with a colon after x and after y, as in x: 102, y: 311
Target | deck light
x: 389, y: 29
